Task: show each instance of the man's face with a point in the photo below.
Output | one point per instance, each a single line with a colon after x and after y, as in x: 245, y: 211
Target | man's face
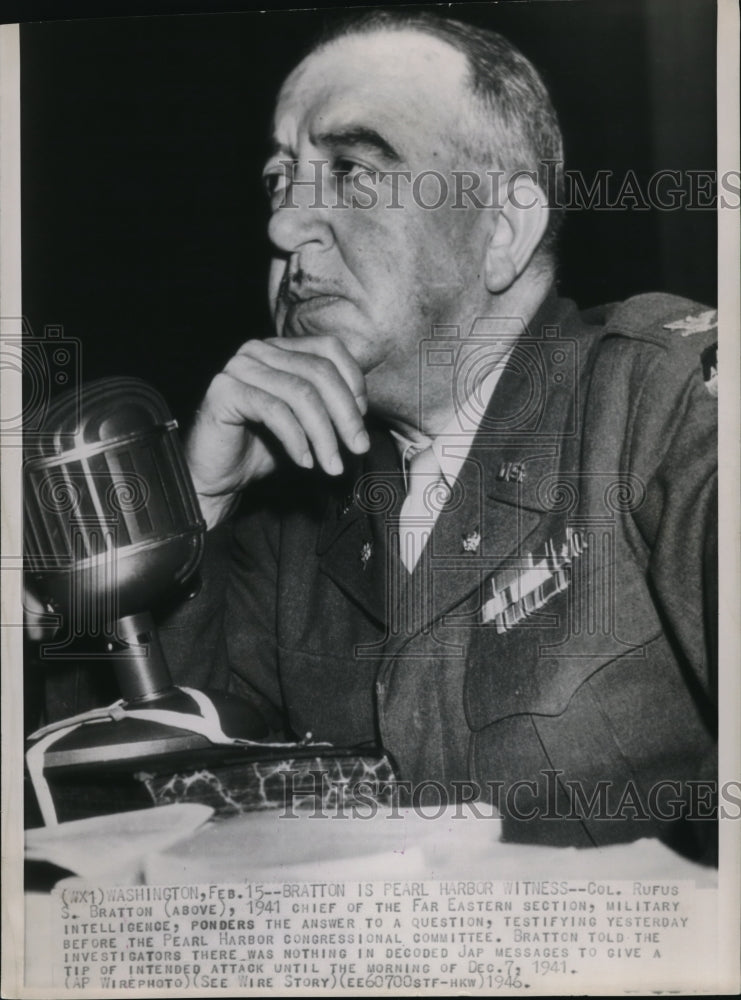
x: 378, y: 278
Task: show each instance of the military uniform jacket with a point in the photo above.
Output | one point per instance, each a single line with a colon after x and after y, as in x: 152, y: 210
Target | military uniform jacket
x: 554, y: 649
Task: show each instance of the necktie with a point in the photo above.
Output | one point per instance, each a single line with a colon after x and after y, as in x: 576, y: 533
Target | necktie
x: 426, y: 495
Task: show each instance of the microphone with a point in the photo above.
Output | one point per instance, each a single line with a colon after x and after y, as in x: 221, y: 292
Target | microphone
x: 112, y: 526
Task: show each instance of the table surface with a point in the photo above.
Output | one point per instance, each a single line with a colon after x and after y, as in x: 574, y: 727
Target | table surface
x: 291, y: 844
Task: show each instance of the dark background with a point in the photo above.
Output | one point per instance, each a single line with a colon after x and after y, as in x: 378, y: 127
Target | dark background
x: 143, y: 140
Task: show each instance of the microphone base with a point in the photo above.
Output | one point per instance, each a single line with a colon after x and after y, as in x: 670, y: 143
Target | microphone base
x: 129, y: 743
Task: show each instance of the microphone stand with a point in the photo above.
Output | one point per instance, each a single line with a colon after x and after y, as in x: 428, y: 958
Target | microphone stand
x: 143, y: 675
x: 153, y: 719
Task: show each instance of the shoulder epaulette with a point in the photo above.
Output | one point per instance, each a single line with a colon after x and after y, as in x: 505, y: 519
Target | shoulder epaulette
x: 661, y: 318
x: 686, y: 330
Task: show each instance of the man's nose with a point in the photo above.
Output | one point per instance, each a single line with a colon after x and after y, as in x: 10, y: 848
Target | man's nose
x: 301, y: 215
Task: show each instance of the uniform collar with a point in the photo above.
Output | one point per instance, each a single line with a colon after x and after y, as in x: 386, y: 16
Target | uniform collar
x: 452, y: 445
x: 531, y: 416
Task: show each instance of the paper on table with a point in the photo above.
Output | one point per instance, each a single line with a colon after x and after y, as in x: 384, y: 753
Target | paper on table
x: 271, y: 846
x: 274, y: 846
x: 101, y: 845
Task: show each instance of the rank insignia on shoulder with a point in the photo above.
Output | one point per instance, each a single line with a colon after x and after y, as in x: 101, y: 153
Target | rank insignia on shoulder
x: 709, y: 362
x: 700, y: 323
x: 520, y: 591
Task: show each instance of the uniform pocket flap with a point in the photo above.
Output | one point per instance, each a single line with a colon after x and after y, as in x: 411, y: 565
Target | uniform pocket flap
x: 529, y: 671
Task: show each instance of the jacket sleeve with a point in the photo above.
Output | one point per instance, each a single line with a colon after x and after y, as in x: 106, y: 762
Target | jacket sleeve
x: 223, y: 635
x: 674, y: 450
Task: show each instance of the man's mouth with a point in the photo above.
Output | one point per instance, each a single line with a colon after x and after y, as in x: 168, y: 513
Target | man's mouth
x: 311, y: 302
x: 305, y: 314
x: 298, y: 288
x: 306, y: 294
x: 302, y: 305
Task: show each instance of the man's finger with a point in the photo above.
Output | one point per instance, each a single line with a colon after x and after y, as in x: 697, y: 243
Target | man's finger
x: 334, y: 394
x: 295, y: 394
x: 335, y: 351
x: 242, y: 403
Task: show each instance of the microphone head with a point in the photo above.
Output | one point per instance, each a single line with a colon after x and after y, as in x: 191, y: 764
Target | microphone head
x: 112, y: 523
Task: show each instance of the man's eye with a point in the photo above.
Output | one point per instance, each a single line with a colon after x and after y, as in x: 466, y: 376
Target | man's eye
x: 276, y: 180
x: 273, y: 181
x: 344, y: 168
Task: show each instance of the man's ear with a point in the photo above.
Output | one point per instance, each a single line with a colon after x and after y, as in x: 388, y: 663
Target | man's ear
x: 518, y: 229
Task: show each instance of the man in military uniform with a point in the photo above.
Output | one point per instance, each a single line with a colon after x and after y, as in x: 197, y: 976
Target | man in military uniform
x: 478, y: 526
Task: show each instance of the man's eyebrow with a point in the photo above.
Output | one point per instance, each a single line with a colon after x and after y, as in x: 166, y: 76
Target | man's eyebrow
x: 346, y: 136
x: 357, y: 135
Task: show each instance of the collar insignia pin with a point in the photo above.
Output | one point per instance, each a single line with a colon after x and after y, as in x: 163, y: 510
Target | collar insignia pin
x: 512, y: 472
x: 346, y: 505
x: 700, y: 323
x: 471, y: 541
x: 365, y: 553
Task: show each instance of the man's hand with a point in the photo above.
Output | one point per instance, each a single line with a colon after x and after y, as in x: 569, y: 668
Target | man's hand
x: 300, y: 396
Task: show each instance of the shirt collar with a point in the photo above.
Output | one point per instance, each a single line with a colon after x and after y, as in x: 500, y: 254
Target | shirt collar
x: 452, y: 445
